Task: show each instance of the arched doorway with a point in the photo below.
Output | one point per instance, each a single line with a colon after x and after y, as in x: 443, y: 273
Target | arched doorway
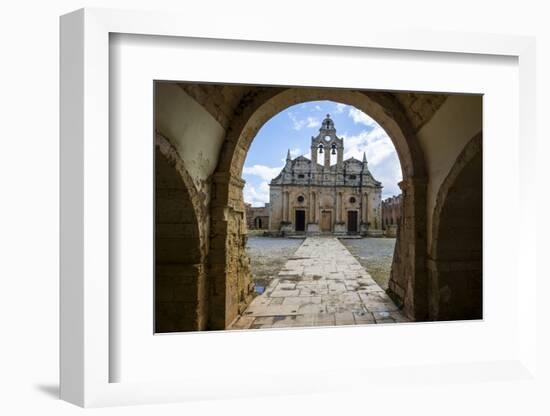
x: 231, y: 282
x: 180, y: 295
x: 455, y: 261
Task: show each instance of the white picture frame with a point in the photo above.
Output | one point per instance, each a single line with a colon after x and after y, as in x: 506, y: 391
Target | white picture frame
x: 85, y: 343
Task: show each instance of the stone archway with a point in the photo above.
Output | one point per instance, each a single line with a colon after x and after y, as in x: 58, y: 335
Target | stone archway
x: 229, y: 265
x: 180, y: 280
x: 455, y: 256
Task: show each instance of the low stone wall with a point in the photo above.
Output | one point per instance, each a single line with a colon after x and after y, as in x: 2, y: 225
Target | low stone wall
x: 391, y: 231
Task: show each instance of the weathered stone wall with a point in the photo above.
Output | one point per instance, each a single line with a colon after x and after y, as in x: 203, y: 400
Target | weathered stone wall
x: 191, y: 138
x: 391, y: 211
x: 229, y: 266
x: 420, y: 107
x: 257, y: 218
x: 408, y: 280
x: 180, y: 245
x: 455, y: 262
x: 442, y: 139
x: 192, y: 130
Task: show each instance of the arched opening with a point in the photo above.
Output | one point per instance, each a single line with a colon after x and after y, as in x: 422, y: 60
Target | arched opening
x: 231, y: 284
x: 179, y: 259
x: 455, y: 263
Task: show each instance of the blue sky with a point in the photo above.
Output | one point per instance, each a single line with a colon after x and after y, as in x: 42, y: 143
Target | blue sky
x: 292, y: 129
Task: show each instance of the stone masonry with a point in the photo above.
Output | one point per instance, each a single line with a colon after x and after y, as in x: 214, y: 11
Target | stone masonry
x: 321, y: 285
x: 391, y: 214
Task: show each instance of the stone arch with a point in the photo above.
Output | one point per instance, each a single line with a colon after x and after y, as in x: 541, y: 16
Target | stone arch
x: 230, y: 288
x: 179, y: 245
x: 455, y: 256
x: 266, y: 103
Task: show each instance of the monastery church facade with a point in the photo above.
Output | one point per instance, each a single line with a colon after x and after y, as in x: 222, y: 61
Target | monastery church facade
x: 313, y: 196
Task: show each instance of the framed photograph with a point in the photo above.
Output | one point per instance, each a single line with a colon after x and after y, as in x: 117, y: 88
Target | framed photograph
x: 318, y: 214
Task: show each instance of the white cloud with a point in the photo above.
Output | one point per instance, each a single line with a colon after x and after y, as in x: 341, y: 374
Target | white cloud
x: 295, y: 152
x: 376, y: 143
x: 255, y: 193
x: 340, y: 107
x: 359, y: 117
x: 381, y: 157
x: 313, y: 122
x: 298, y: 124
x: 318, y: 107
x: 257, y: 196
x: 265, y: 172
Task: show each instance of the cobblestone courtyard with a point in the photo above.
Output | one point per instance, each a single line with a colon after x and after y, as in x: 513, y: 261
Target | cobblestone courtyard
x: 321, y: 284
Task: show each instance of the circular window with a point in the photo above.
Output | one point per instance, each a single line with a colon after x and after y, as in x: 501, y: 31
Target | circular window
x: 300, y: 198
x: 352, y: 200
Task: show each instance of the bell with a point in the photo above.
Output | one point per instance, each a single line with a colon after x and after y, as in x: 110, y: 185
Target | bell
x: 320, y: 149
x: 333, y: 151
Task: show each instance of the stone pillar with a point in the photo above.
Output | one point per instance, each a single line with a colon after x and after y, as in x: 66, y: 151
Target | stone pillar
x: 315, y: 206
x: 283, y: 206
x: 314, y: 152
x: 408, y: 284
x: 340, y: 157
x: 338, y: 207
x: 341, y: 208
x: 327, y: 156
x: 311, y: 207
x: 339, y: 224
x: 364, y: 214
x: 287, y: 207
x: 363, y: 227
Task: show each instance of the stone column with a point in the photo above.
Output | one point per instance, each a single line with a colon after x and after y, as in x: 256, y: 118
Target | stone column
x: 311, y: 207
x: 337, y: 213
x: 317, y: 206
x: 364, y: 214
x: 342, y: 218
x: 327, y: 156
x: 314, y: 151
x: 340, y: 156
x: 287, y: 208
x: 283, y: 206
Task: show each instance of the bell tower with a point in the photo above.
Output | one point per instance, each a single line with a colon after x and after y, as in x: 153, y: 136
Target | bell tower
x: 327, y: 143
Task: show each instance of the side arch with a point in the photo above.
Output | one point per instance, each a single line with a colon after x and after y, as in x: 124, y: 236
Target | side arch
x: 228, y: 261
x: 180, y: 296
x: 455, y: 262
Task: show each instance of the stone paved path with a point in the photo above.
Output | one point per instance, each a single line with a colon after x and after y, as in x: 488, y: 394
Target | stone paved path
x: 321, y: 285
